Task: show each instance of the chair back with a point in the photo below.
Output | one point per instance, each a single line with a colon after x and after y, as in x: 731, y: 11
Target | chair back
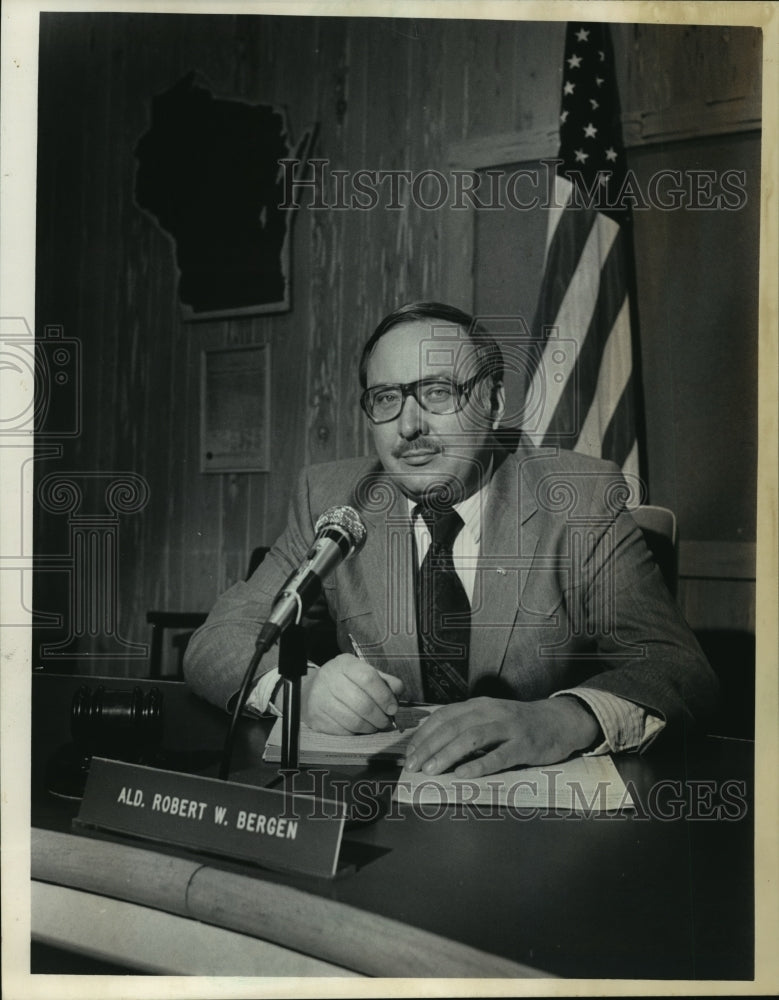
x: 658, y: 526
x: 181, y: 625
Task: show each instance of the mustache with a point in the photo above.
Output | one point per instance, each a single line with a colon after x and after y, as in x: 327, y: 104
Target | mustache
x: 418, y: 444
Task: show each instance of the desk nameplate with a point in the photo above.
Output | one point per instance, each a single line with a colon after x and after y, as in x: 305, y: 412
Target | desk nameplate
x: 262, y: 825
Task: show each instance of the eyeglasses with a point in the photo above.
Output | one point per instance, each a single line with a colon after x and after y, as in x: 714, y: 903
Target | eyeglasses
x: 435, y: 395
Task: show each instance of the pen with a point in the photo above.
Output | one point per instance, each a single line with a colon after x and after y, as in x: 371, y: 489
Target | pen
x: 361, y: 656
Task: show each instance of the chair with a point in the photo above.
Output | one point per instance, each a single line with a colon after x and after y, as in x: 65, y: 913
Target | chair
x: 183, y: 623
x: 731, y: 653
x: 658, y: 525
x: 177, y: 621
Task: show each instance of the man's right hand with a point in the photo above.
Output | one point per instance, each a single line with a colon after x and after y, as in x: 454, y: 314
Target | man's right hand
x: 348, y: 695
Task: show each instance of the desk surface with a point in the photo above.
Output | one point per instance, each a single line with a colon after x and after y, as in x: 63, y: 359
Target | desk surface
x: 666, y: 892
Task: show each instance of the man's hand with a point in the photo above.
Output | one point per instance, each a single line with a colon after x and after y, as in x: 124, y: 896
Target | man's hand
x: 348, y: 695
x: 504, y: 733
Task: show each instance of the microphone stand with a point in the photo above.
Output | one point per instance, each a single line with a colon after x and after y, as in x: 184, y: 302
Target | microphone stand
x: 292, y: 665
x: 343, y: 528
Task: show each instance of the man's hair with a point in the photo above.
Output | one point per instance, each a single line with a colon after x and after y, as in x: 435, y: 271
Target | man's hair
x: 489, y: 357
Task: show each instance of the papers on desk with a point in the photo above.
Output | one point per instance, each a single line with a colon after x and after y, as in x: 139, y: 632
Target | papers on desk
x: 319, y: 748
x: 583, y: 784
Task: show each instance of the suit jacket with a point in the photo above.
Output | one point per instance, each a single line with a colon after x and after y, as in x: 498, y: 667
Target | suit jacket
x: 566, y: 591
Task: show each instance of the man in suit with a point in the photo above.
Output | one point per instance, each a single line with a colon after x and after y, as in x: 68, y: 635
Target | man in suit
x: 510, y: 585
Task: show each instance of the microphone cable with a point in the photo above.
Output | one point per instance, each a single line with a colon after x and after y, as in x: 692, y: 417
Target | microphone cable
x: 260, y: 649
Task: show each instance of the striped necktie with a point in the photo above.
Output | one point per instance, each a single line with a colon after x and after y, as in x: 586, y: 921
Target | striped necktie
x: 443, y: 611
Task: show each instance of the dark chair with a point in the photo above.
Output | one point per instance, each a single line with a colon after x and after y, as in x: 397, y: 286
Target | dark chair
x: 174, y: 621
x: 658, y: 526
x: 731, y: 653
x: 183, y: 624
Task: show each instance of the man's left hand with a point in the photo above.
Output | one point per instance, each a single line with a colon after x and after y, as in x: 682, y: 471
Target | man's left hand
x: 503, y: 733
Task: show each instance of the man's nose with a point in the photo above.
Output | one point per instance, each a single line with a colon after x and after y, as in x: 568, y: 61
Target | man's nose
x: 412, y: 419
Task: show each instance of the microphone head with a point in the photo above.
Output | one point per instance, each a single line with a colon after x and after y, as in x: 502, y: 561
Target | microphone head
x: 348, y: 520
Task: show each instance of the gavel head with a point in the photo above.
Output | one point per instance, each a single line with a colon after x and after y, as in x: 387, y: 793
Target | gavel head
x: 126, y: 725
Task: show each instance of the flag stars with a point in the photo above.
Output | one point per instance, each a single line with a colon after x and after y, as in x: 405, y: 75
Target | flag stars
x: 563, y: 117
x: 569, y: 87
x: 581, y: 156
x: 598, y: 81
x: 611, y: 154
x: 590, y: 131
x: 582, y: 35
x: 575, y: 61
x: 601, y: 55
x: 594, y: 104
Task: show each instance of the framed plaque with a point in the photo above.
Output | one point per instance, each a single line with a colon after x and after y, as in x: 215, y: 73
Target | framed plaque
x: 235, y: 409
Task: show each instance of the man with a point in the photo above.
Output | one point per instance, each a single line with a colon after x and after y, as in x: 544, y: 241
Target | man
x: 511, y: 586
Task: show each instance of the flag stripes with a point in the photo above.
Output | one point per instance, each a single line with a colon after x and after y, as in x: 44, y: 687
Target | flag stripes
x: 564, y: 247
x: 612, y: 379
x: 584, y: 369
x: 620, y: 442
x: 608, y: 314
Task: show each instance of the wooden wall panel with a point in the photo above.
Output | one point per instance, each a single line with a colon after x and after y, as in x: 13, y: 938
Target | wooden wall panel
x: 328, y: 242
x: 697, y: 328
x: 360, y: 305
x: 387, y: 94
x: 714, y: 605
x: 423, y: 236
x: 696, y: 60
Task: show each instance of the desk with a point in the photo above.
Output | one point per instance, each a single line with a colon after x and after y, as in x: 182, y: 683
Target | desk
x: 629, y: 896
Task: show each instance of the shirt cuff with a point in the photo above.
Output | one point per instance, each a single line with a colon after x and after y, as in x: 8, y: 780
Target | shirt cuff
x: 625, y: 725
x: 259, y: 700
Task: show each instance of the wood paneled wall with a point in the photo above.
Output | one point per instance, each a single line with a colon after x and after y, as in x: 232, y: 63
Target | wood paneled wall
x: 385, y: 94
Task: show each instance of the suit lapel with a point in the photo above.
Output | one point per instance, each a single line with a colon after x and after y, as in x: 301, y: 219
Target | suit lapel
x: 381, y: 576
x: 380, y: 600
x: 510, y: 534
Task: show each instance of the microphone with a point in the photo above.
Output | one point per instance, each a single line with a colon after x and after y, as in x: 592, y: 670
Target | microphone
x: 339, y: 533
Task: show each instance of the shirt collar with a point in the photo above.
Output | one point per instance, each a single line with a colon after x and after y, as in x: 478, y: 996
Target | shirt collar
x: 470, y: 509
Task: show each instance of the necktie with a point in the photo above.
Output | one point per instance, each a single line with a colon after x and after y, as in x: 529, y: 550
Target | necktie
x: 443, y: 612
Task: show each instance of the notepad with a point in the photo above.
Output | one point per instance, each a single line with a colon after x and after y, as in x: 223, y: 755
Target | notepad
x: 582, y: 784
x: 388, y: 745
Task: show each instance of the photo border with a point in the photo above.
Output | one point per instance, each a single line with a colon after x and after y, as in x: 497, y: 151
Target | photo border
x: 17, y: 119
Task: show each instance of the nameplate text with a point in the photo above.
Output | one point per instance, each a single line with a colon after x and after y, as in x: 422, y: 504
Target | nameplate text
x: 265, y: 826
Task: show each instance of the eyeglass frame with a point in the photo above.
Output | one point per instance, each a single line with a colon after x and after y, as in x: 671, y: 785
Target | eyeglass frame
x: 462, y: 392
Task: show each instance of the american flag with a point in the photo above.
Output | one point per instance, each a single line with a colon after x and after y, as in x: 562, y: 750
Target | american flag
x: 584, y: 321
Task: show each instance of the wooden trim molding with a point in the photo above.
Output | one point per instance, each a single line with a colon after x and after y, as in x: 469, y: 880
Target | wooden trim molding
x: 639, y: 129
x: 717, y: 560
x: 322, y: 928
x: 156, y: 942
